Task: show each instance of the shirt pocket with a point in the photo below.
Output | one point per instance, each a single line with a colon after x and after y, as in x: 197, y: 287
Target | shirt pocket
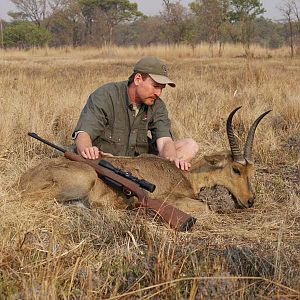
x: 112, y: 141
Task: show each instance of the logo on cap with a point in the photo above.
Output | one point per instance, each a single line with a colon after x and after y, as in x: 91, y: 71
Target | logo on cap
x: 164, y: 69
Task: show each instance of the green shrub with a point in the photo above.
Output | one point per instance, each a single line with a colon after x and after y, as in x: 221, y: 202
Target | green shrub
x: 24, y: 34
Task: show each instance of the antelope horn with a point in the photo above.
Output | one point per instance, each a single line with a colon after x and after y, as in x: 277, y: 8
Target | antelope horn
x: 235, y: 150
x: 250, y: 138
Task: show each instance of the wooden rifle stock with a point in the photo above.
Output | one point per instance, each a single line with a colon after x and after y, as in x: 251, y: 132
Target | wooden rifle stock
x: 176, y: 218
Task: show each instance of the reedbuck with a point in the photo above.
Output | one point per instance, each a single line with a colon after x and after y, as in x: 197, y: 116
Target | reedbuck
x: 74, y: 181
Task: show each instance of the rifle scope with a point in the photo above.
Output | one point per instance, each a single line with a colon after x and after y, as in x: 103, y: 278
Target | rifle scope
x: 141, y: 182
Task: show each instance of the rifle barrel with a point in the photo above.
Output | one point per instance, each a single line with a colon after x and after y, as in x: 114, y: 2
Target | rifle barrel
x: 37, y: 137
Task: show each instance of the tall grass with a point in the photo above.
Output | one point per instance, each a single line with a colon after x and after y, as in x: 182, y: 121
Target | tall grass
x: 113, y: 52
x: 49, y: 251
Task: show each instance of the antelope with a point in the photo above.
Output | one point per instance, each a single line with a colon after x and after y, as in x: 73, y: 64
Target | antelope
x: 75, y: 181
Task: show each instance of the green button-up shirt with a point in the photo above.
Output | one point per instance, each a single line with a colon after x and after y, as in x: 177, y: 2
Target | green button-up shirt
x: 108, y: 117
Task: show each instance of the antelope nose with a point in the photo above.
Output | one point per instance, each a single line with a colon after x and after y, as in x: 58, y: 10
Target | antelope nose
x: 251, y: 202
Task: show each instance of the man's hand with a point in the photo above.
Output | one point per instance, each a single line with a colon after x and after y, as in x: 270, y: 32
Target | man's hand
x: 166, y: 148
x: 90, y: 153
x: 181, y: 164
x: 85, y: 148
x: 93, y: 153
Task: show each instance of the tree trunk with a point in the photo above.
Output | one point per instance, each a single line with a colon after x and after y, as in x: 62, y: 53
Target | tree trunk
x: 221, y: 47
x: 291, y: 38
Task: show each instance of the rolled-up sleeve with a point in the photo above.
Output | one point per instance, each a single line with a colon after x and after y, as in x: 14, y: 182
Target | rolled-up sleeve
x: 93, y: 117
x: 160, y: 125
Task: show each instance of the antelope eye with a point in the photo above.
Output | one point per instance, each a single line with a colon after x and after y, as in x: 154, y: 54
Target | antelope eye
x: 236, y: 171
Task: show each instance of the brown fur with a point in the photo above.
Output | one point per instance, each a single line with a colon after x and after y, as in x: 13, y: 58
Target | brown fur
x: 68, y: 180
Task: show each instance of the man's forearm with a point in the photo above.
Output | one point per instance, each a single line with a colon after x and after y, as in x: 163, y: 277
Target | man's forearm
x: 83, y: 141
x: 166, y: 148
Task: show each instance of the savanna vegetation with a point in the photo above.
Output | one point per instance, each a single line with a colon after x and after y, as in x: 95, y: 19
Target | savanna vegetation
x: 52, y: 251
x: 57, y: 23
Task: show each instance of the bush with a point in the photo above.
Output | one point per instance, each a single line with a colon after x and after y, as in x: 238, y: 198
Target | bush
x: 24, y: 34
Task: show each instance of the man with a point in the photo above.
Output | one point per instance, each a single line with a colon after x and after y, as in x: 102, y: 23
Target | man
x: 128, y: 118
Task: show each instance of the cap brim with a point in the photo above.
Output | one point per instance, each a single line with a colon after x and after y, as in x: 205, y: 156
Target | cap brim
x: 162, y: 79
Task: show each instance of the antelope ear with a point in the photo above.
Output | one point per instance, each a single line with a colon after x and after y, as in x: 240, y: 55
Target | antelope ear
x: 216, y: 160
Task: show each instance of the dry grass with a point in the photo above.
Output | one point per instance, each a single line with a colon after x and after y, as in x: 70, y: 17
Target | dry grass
x: 49, y: 251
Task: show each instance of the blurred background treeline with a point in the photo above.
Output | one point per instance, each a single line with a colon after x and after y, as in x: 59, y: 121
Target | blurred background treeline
x: 57, y: 23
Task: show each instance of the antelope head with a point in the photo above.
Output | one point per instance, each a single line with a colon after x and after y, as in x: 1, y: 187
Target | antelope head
x: 230, y: 169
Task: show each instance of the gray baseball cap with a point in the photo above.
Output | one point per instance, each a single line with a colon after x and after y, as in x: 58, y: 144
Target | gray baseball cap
x: 156, y: 69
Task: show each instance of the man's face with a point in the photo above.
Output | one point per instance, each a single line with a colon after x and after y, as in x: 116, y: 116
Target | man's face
x: 147, y: 90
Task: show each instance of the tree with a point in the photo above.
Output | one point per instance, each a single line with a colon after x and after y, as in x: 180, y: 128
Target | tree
x: 290, y: 12
x: 134, y: 33
x: 211, y: 19
x: 296, y: 10
x: 25, y: 34
x: 242, y: 13
x: 107, y: 14
x: 176, y: 19
x: 37, y: 11
x: 67, y: 25
x: 2, y: 25
x: 269, y: 33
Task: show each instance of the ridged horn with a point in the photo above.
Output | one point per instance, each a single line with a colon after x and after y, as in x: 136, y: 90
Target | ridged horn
x: 250, y: 138
x: 235, y: 150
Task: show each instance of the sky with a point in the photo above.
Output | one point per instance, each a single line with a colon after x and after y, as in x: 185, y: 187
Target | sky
x: 153, y: 7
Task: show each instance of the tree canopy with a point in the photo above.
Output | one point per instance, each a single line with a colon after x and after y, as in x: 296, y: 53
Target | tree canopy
x: 24, y: 34
x: 99, y: 22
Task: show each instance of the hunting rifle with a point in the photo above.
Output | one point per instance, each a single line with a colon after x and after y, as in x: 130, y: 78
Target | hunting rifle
x: 131, y: 186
